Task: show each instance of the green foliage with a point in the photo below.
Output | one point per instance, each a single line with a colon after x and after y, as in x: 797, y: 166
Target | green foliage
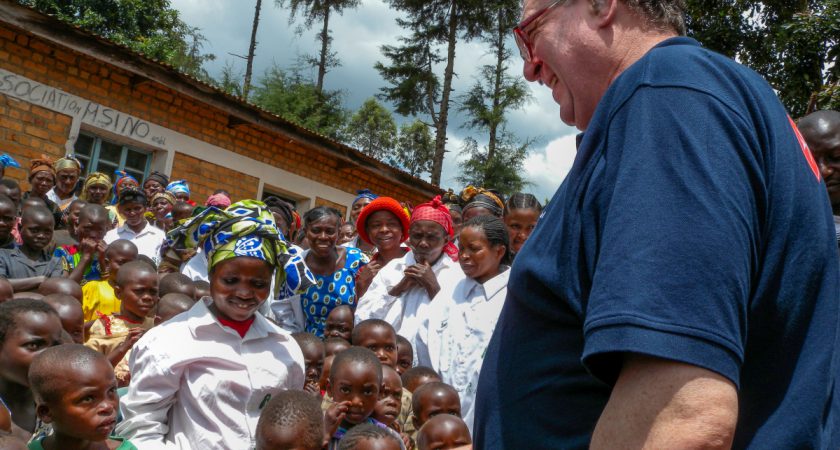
x: 415, y: 148
x: 502, y: 172
x: 792, y: 43
x: 290, y: 96
x: 414, y: 87
x: 230, y: 80
x: 372, y: 130
x: 151, y: 27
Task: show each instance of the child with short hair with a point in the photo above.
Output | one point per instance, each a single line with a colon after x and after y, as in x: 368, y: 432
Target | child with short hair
x: 137, y: 289
x: 432, y: 399
x: 82, y: 261
x: 68, y: 236
x: 443, y: 432
x: 148, y: 238
x: 172, y: 304
x: 405, y: 355
x: 387, y: 409
x: 313, y: 357
x: 8, y: 221
x: 177, y: 282
x: 339, y: 323
x: 292, y: 419
x: 325, y: 375
x: 334, y: 346
x: 98, y: 296
x: 27, y: 266
x: 27, y: 327
x: 61, y: 285
x: 379, y: 337
x: 70, y: 312
x: 369, y: 437
x: 76, y: 393
x: 202, y: 289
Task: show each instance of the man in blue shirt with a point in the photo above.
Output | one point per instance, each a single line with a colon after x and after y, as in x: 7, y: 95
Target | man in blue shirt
x: 681, y: 289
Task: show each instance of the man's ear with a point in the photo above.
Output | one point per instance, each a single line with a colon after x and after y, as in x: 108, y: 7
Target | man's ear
x: 42, y: 410
x: 604, y: 10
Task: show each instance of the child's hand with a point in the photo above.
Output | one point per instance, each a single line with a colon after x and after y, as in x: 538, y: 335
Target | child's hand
x: 101, y: 246
x: 88, y: 247
x: 333, y: 417
x: 134, y: 335
x: 406, y: 441
x: 312, y: 387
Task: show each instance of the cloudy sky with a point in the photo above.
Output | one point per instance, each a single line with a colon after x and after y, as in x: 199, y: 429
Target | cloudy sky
x: 357, y: 38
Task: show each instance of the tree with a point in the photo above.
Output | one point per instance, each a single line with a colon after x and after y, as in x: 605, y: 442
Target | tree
x: 314, y: 11
x: 503, y: 172
x: 151, y: 27
x: 415, y: 87
x: 415, y: 147
x: 252, y: 48
x: 230, y: 80
x: 298, y: 100
x: 372, y: 130
x: 792, y: 43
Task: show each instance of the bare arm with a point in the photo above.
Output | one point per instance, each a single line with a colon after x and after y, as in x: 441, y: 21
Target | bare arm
x: 658, y: 403
x: 26, y: 284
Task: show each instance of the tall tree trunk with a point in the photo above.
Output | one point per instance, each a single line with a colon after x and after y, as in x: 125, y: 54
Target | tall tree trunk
x: 440, y: 124
x: 497, y: 89
x: 325, y: 48
x: 246, y: 85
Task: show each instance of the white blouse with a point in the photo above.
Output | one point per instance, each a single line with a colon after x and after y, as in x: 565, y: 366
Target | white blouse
x: 197, y: 385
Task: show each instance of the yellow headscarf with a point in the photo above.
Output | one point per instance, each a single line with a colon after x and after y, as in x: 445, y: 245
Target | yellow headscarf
x: 95, y: 178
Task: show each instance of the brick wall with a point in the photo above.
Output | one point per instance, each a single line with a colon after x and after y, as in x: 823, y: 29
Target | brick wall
x: 204, y: 178
x: 324, y: 202
x: 28, y: 131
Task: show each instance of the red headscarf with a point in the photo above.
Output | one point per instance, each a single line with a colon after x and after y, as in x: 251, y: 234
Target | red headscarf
x: 382, y: 204
x: 436, y: 211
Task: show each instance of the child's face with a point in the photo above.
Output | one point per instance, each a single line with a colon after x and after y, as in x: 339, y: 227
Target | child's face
x: 357, y: 383
x: 32, y: 333
x: 440, y: 435
x: 382, y: 341
x: 73, y: 322
x: 313, y: 357
x: 325, y: 372
x: 87, y: 405
x: 36, y: 231
x: 390, y: 399
x: 346, y: 233
x: 405, y: 358
x: 133, y: 213
x: 7, y: 220
x: 12, y: 193
x: 434, y: 402
x: 339, y: 323
x: 73, y: 215
x: 140, y: 295
x: 115, y: 259
x: 92, y: 229
x: 239, y: 286
x: 335, y: 347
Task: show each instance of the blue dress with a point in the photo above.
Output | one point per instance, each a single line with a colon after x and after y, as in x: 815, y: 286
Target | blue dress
x: 332, y: 290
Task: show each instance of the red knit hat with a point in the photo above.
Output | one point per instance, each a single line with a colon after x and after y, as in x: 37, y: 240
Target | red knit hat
x: 382, y: 204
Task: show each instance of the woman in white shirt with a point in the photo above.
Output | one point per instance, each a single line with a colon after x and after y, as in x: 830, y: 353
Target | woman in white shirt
x: 200, y: 380
x: 461, y: 320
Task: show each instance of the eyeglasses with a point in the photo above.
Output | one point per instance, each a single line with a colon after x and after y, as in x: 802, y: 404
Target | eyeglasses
x: 521, y: 37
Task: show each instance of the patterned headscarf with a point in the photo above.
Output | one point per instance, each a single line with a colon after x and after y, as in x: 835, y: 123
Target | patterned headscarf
x: 364, y: 193
x: 178, y: 186
x: 436, y: 211
x: 42, y: 164
x: 480, y: 197
x: 123, y: 180
x: 68, y: 162
x: 8, y: 161
x: 157, y: 176
x: 246, y: 228
x: 166, y: 196
x: 92, y: 179
x: 218, y: 200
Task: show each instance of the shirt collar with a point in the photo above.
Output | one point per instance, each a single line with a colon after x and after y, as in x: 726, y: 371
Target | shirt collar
x: 490, y: 287
x: 201, y: 321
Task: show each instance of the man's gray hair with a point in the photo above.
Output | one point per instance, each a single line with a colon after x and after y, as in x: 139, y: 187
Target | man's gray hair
x: 665, y: 15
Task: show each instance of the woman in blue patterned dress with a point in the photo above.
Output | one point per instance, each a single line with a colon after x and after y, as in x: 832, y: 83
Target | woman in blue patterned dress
x: 334, y: 268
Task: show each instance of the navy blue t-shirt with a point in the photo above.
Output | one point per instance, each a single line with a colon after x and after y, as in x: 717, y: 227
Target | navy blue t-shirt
x: 694, y: 227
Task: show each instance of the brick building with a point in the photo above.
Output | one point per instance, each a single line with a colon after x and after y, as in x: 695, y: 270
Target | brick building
x: 63, y: 90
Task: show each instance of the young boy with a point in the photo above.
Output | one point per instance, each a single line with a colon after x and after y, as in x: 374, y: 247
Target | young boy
x: 405, y: 355
x: 432, y: 399
x: 418, y: 376
x: 334, y: 346
x: 148, y: 238
x: 387, y: 408
x: 181, y: 211
x: 67, y: 236
x: 325, y: 375
x: 98, y: 296
x: 61, y: 285
x: 75, y: 392
x: 379, y: 337
x: 27, y: 266
x: 177, y: 282
x: 443, y: 432
x: 292, y: 419
x: 202, y: 289
x: 313, y: 357
x: 10, y: 188
x: 369, y: 437
x: 70, y: 312
x: 8, y: 221
x: 172, y: 304
x: 82, y: 261
x: 137, y: 290
x: 339, y: 323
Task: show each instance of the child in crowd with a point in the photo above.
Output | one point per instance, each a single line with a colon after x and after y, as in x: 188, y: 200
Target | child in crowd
x: 70, y: 312
x: 172, y: 304
x: 137, y: 289
x: 8, y: 221
x: 181, y: 211
x: 76, y: 393
x: 339, y: 323
x: 313, y: 357
x: 68, y: 236
x: 325, y: 374
x: 148, y: 238
x: 6, y: 290
x: 387, y: 408
x: 522, y: 211
x: 346, y: 233
x: 335, y: 345
x: 202, y: 289
x: 61, y: 285
x: 369, y: 437
x: 98, y: 296
x: 177, y: 283
x: 443, y: 432
x: 209, y: 394
x: 27, y: 266
x: 293, y: 420
x: 432, y: 399
x: 10, y: 188
x: 27, y: 327
x: 405, y: 355
x: 82, y: 261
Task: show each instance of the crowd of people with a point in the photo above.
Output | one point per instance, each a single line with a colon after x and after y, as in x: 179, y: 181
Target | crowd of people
x: 134, y: 317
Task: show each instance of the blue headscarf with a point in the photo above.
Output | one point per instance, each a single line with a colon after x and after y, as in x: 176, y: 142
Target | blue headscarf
x: 364, y: 193
x: 178, y: 186
x: 8, y: 161
x: 120, y: 177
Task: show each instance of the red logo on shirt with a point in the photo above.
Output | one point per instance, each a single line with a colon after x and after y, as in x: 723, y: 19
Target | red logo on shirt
x: 805, y: 150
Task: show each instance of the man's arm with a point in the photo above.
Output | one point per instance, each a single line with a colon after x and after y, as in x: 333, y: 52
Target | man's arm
x: 658, y: 403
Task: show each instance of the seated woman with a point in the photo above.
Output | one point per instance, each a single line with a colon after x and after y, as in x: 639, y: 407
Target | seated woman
x: 401, y: 292
x: 200, y: 380
x: 383, y: 224
x: 461, y: 320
